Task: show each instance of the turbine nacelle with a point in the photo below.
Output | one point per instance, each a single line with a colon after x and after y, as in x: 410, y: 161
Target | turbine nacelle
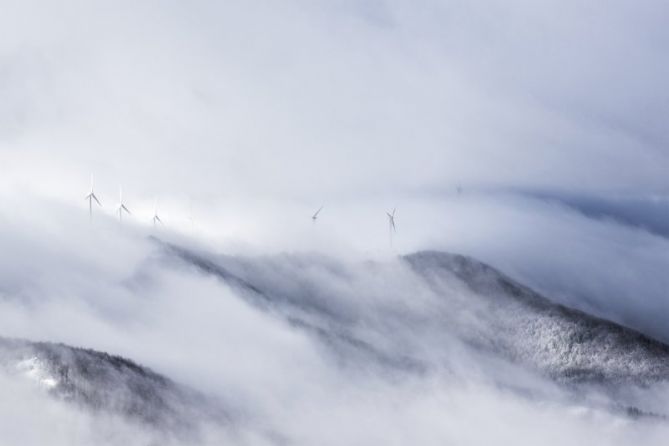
x: 92, y: 196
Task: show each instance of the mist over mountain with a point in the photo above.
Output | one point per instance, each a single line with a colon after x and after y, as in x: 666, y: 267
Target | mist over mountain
x: 356, y: 222
x: 103, y: 383
x: 230, y: 338
x: 468, y: 300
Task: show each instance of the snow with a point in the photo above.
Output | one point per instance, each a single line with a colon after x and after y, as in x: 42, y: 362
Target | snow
x: 34, y: 369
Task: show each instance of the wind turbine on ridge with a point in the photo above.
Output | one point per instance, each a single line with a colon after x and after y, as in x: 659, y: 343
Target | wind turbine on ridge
x: 121, y: 207
x: 90, y: 197
x: 391, y: 225
x: 156, y: 218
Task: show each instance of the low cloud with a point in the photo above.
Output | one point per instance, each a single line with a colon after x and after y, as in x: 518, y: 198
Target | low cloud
x: 110, y: 287
x: 530, y: 137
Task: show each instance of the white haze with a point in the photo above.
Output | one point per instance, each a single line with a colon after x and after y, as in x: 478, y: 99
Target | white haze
x: 241, y: 118
x: 100, y: 287
x: 315, y: 99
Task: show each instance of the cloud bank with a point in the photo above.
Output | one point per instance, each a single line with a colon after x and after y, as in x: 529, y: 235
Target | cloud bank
x: 311, y: 99
x: 241, y: 118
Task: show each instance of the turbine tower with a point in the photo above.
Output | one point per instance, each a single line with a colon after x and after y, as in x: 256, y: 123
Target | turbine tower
x: 156, y: 218
x: 90, y: 197
x: 315, y: 216
x: 391, y: 225
x: 121, y: 207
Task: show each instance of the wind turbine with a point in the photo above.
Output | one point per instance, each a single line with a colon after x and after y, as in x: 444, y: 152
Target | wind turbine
x: 90, y: 197
x: 391, y: 225
x: 156, y: 219
x: 315, y: 216
x: 121, y: 207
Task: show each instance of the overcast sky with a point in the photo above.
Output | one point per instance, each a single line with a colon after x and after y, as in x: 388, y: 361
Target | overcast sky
x: 312, y: 100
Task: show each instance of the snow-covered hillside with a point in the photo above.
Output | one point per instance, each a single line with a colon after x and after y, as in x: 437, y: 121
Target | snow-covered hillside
x: 426, y: 322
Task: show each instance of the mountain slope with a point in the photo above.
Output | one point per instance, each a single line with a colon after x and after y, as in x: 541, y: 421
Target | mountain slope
x: 421, y: 315
x: 105, y: 383
x: 453, y: 295
x: 568, y: 344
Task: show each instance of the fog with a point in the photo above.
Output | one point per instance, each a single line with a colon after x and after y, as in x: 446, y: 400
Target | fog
x: 526, y: 135
x: 313, y: 99
x: 112, y: 288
